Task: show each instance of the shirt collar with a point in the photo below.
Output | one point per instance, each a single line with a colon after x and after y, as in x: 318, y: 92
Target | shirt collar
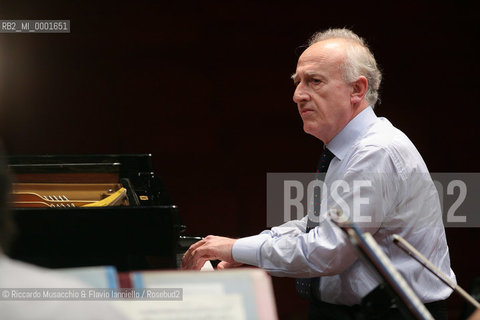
x: 345, y: 139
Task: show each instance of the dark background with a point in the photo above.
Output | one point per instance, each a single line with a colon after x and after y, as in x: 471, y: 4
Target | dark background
x: 205, y: 87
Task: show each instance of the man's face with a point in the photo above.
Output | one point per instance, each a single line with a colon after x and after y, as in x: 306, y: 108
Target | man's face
x: 322, y: 95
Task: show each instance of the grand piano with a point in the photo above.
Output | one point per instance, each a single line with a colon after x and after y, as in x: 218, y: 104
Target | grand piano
x: 85, y: 210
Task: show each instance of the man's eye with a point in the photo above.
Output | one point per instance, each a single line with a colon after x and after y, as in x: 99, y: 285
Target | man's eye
x: 316, y: 80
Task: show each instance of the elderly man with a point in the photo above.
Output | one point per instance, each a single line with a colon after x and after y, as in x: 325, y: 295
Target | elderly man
x: 337, y: 82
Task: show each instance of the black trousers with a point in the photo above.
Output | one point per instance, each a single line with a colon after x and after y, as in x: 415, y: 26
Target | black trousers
x: 326, y: 311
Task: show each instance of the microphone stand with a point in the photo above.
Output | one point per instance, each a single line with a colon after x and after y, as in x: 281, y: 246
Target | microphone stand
x: 409, y: 304
x: 415, y: 254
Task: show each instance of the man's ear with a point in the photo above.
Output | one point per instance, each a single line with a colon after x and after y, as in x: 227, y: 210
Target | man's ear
x: 359, y: 90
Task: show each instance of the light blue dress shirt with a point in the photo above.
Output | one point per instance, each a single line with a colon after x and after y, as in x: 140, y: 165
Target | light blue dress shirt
x: 402, y: 199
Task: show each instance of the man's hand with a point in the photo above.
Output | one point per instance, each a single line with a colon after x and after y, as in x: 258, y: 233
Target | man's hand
x: 210, y: 248
x: 228, y: 265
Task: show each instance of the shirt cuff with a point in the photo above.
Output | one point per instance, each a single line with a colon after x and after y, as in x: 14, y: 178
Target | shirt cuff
x: 246, y: 250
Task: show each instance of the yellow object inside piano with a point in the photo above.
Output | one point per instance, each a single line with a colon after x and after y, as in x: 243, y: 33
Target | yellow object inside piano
x: 68, y: 195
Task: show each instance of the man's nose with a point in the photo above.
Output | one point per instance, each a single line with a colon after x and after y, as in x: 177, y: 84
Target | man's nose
x: 300, y: 94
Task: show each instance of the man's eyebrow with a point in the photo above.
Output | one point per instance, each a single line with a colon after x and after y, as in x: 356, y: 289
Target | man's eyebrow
x: 308, y: 74
x: 313, y: 74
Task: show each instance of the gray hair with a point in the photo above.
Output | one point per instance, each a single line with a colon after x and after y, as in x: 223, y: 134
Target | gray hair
x: 359, y: 60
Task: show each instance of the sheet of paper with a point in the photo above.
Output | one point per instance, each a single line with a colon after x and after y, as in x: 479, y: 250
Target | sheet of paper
x: 201, y: 307
x: 96, y: 277
x: 228, y: 294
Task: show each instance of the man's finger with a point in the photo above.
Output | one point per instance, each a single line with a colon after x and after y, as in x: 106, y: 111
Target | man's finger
x: 199, y: 263
x: 228, y: 265
x: 189, y: 254
x: 223, y: 265
x: 195, y: 264
x: 194, y: 247
x: 197, y: 244
x: 194, y: 259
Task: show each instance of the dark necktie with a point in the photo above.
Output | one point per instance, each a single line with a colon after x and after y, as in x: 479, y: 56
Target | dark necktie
x: 307, y: 287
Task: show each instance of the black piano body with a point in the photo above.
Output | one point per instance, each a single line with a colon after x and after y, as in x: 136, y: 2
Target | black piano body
x: 141, y: 235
